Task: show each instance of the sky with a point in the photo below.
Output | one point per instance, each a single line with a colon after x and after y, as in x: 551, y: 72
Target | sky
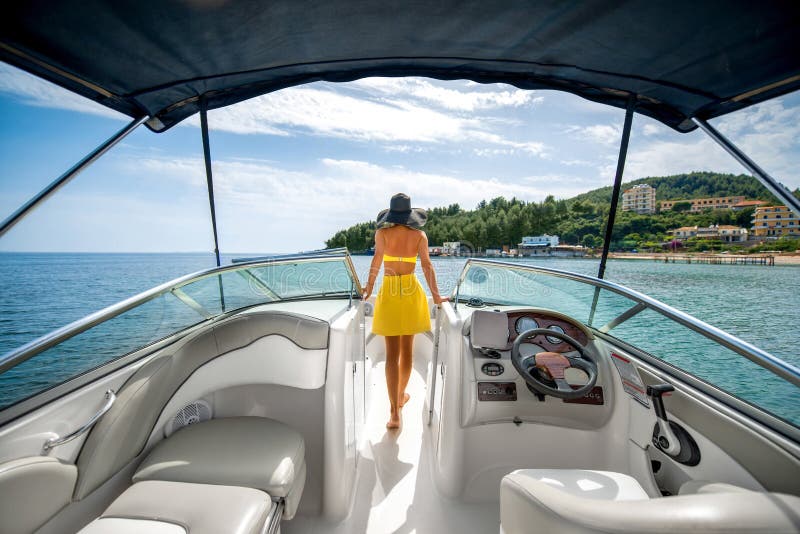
x: 293, y: 167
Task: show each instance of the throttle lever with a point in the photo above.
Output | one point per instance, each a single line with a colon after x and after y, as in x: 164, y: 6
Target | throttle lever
x: 666, y: 440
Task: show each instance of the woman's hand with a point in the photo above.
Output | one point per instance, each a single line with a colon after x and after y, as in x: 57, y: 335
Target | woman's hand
x: 438, y: 299
x: 366, y: 294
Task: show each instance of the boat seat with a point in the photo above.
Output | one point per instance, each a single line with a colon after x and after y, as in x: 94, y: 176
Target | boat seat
x: 158, y: 507
x: 248, y: 452
x: 693, y: 487
x: 583, y: 501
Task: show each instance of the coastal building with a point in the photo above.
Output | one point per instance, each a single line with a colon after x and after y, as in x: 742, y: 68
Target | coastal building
x: 700, y: 204
x: 775, y: 221
x: 639, y: 198
x: 684, y: 232
x: 568, y: 251
x: 455, y: 248
x: 538, y: 245
x: 724, y: 232
x: 732, y: 234
x: 435, y: 250
x: 748, y: 204
x: 493, y: 252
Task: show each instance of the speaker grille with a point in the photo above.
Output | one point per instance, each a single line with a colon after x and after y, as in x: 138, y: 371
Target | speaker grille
x: 194, y: 412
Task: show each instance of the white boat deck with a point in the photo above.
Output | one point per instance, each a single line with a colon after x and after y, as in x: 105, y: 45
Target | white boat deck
x: 395, y: 490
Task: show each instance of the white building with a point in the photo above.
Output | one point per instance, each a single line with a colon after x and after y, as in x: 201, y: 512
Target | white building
x: 639, y: 198
x: 540, y: 240
x: 451, y: 248
x: 726, y: 233
x: 539, y: 245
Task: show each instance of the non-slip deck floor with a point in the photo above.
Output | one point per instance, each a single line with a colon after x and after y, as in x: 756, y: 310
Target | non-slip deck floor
x: 395, y: 491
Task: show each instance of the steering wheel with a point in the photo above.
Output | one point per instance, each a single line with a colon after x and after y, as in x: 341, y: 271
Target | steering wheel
x: 553, y: 364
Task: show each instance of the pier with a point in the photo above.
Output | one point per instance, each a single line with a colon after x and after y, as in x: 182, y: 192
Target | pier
x: 718, y: 259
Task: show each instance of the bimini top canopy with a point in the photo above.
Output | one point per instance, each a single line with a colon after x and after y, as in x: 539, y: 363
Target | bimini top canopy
x: 159, y: 58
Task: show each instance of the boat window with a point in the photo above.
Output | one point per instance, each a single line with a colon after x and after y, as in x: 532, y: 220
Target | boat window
x: 689, y: 351
x: 524, y: 287
x: 637, y: 324
x: 92, y: 348
x: 172, y: 310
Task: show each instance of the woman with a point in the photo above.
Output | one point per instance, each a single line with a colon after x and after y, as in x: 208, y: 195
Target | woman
x: 401, y: 308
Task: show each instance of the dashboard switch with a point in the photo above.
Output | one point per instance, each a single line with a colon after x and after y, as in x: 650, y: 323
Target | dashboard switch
x: 492, y: 369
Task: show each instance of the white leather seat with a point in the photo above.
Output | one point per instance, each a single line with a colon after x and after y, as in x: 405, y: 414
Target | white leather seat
x: 157, y: 507
x: 250, y: 452
x: 582, y: 501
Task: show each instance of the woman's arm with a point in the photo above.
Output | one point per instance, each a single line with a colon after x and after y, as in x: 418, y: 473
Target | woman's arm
x: 427, y: 269
x: 375, y: 266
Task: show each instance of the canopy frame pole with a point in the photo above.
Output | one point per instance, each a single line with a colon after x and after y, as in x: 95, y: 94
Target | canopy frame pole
x: 612, y: 212
x: 623, y: 153
x: 62, y: 180
x: 209, y: 176
x: 774, y: 186
x: 210, y: 184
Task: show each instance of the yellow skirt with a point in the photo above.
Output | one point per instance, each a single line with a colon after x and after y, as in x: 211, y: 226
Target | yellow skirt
x: 401, y: 307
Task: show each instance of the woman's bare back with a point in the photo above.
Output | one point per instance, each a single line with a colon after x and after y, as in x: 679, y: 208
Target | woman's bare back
x: 399, y: 241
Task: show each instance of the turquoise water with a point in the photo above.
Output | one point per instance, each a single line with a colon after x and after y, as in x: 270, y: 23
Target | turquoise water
x: 760, y: 305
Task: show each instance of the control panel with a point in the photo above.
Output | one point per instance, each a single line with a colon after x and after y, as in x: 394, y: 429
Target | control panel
x: 497, y: 391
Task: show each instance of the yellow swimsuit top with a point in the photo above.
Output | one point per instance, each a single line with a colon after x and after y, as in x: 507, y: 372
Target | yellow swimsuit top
x: 405, y: 259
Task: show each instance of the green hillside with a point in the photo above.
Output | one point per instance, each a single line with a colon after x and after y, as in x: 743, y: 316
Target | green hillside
x: 578, y: 220
x: 688, y: 186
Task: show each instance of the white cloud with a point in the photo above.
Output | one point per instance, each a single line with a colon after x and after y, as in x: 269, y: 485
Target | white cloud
x: 577, y: 163
x: 653, y: 129
x: 34, y: 91
x: 605, y: 134
x: 769, y: 133
x: 453, y: 99
x: 263, y: 207
x: 331, y: 113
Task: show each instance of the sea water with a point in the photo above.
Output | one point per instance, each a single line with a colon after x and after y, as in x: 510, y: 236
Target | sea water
x: 761, y: 305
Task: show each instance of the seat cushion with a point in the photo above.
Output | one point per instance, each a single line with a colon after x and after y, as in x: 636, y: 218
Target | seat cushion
x: 706, y: 486
x: 159, y: 507
x: 124, y: 525
x: 605, y: 485
x: 575, y: 501
x: 253, y: 452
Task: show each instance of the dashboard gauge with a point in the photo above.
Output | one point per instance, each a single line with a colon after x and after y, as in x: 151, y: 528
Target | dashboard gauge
x: 525, y: 323
x: 552, y: 339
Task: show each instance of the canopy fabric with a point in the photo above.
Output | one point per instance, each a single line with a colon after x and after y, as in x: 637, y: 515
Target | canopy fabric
x: 681, y: 59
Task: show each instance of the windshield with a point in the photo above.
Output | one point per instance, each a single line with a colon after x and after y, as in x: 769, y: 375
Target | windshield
x: 636, y: 323
x: 166, y: 311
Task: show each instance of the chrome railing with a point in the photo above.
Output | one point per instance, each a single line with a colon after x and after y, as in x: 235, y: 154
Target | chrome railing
x: 31, y: 349
x: 55, y: 442
x: 760, y: 357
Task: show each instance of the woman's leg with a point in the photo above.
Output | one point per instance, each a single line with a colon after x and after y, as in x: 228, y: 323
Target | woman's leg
x: 393, y: 378
x: 406, y: 362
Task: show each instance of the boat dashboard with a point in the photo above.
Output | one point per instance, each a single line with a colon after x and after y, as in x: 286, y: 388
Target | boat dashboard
x: 521, y: 321
x: 496, y: 391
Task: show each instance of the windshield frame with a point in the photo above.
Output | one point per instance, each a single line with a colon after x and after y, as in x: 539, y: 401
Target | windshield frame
x: 642, y: 302
x: 41, y: 344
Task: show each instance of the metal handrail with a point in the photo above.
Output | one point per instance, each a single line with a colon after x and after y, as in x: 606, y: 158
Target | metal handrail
x: 31, y: 349
x: 55, y: 442
x: 785, y: 370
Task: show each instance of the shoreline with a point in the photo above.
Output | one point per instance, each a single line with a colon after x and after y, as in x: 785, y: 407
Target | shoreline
x: 780, y: 259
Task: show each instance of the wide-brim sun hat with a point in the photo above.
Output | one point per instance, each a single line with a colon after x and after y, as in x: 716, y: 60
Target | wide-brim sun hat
x: 401, y: 212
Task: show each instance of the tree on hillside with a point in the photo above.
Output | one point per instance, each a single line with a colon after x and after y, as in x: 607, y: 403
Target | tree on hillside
x: 684, y: 205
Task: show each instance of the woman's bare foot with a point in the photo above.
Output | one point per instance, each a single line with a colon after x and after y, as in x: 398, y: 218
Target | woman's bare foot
x: 406, y: 398
x: 394, y: 421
